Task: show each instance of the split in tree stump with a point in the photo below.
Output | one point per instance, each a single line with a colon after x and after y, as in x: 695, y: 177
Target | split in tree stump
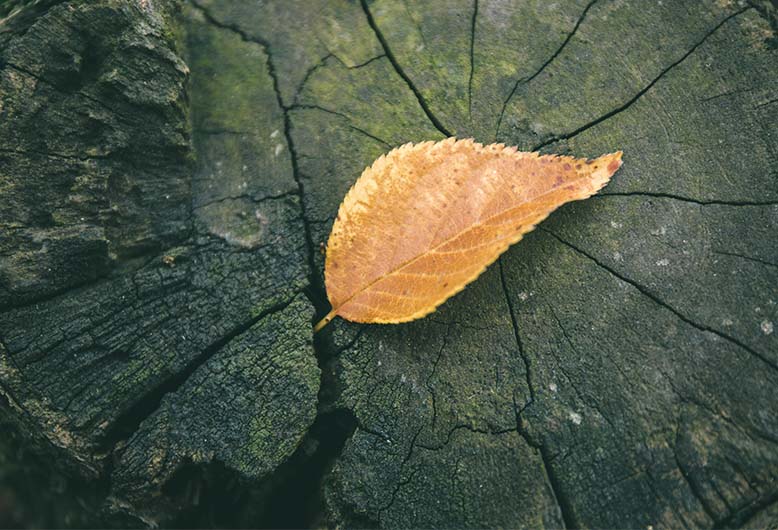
x: 169, y: 172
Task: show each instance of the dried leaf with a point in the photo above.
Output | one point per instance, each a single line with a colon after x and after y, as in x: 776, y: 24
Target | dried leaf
x: 426, y: 219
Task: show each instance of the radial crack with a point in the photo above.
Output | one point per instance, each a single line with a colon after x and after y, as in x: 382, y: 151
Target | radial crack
x: 402, y: 482
x: 701, y: 202
x: 248, y: 197
x: 307, y: 106
x: 525, y: 80
x: 515, y: 324
x: 371, y: 136
x: 309, y: 73
x: 427, y: 382
x: 472, y: 59
x: 633, y: 99
x: 593, y: 402
x: 128, y: 422
x: 341, y: 115
x: 360, y: 65
x: 565, y: 508
x: 693, y: 486
x: 314, y: 280
x: 772, y: 364
x: 748, y: 258
x: 392, y: 59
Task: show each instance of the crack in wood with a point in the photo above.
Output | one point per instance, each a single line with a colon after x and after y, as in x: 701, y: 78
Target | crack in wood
x: 316, y: 283
x: 465, y: 427
x: 701, y: 327
x: 127, y: 423
x: 359, y: 65
x: 701, y: 202
x: 525, y: 80
x: 250, y: 198
x: 748, y: 258
x: 517, y: 336
x: 392, y: 59
x: 62, y: 156
x: 324, y: 352
x: 691, y: 483
x: 402, y: 482
x: 743, y: 518
x: 350, y: 125
x: 472, y: 60
x: 642, y: 92
x: 110, y: 108
x: 308, y: 74
x: 321, y: 64
x: 561, y: 499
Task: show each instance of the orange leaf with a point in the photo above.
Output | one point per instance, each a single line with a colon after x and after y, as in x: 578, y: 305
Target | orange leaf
x: 426, y: 219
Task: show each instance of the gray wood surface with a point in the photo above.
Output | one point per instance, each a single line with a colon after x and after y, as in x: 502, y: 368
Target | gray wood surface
x: 169, y: 173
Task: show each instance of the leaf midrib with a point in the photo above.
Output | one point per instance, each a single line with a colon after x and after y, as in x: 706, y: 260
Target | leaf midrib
x: 409, y: 261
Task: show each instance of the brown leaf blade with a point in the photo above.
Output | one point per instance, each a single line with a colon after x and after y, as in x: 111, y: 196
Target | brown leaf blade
x: 427, y: 219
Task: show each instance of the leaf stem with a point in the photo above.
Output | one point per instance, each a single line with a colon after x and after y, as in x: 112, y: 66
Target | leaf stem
x: 324, y: 321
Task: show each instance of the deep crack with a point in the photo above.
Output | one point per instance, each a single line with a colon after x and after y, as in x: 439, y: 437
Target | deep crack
x: 296, y: 498
x: 701, y: 202
x: 514, y: 322
x: 392, y: 59
x: 565, y: 507
x: 472, y: 60
x: 315, y: 292
x: 525, y: 80
x: 729, y: 338
x: 127, y: 423
x: 636, y: 97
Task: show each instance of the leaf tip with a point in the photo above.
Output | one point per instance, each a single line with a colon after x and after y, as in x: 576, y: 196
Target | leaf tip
x: 614, y: 162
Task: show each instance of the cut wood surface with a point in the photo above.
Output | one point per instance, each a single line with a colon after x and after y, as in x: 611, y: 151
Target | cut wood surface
x: 170, y: 172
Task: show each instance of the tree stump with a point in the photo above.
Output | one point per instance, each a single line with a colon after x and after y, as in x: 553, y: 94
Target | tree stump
x: 170, y: 173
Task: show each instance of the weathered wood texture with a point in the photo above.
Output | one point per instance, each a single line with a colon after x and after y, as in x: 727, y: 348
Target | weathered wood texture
x: 168, y: 173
